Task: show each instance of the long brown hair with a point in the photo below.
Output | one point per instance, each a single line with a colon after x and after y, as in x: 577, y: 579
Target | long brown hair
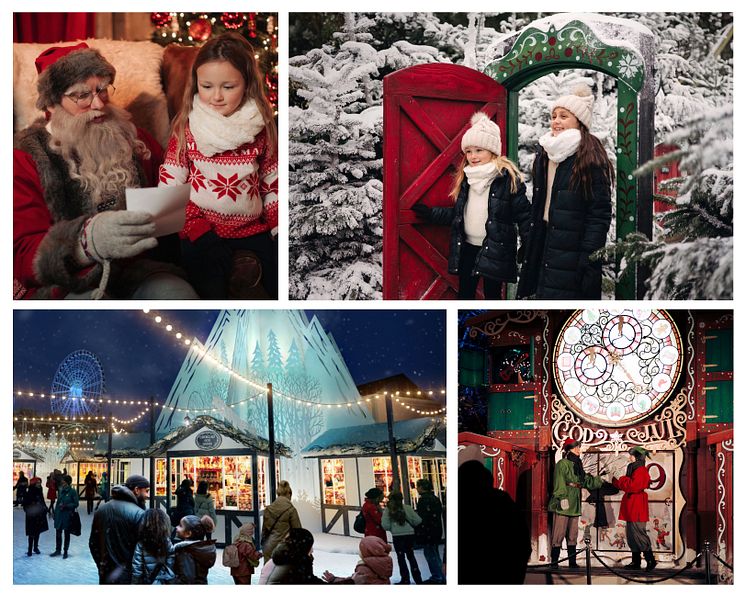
x: 236, y: 50
x: 591, y: 154
x: 503, y: 165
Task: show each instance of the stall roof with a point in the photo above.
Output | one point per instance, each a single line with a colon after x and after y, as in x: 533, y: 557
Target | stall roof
x: 242, y: 437
x: 369, y: 440
x: 123, y: 445
x: 28, y: 452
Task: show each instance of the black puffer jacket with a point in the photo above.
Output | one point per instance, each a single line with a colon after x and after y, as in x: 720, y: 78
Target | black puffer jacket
x: 497, y: 258
x: 431, y: 512
x: 193, y: 560
x: 36, y: 511
x: 556, y: 264
x: 114, y: 536
x: 148, y: 569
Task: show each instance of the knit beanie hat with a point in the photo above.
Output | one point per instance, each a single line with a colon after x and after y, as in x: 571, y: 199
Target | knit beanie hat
x: 137, y: 482
x: 60, y: 68
x: 483, y: 133
x: 579, y: 102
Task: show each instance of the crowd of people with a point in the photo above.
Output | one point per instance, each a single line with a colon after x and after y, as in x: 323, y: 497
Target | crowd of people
x: 133, y: 544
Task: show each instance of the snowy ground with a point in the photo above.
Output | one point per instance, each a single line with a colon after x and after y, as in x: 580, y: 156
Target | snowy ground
x: 331, y: 552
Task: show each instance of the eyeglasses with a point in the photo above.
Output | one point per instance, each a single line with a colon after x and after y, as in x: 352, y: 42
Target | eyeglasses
x: 85, y: 98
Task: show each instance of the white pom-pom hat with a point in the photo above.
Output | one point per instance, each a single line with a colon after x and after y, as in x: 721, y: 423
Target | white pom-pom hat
x: 579, y: 102
x: 483, y: 133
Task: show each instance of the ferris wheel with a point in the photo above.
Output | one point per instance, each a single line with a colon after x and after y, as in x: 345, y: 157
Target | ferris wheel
x: 78, y: 384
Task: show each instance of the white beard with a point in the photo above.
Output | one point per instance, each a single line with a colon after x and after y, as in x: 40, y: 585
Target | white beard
x: 100, y: 155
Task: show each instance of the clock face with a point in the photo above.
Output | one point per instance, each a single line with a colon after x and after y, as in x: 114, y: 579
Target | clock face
x: 616, y: 367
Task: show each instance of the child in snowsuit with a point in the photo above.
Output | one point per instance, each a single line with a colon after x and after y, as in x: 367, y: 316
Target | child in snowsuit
x: 247, y: 554
x: 374, y: 568
x: 224, y: 144
x: 194, y: 555
x: 490, y: 201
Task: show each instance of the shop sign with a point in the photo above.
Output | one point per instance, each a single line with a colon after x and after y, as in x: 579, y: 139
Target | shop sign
x: 208, y: 440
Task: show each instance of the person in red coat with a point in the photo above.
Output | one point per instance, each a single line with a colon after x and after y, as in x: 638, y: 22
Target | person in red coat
x: 72, y: 234
x: 634, y: 508
x: 372, y: 513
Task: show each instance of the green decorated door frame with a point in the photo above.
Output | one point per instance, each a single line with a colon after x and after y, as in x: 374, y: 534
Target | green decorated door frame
x: 535, y: 52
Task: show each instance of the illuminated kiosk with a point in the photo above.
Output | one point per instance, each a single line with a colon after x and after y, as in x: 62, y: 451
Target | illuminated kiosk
x: 354, y: 459
x: 24, y: 460
x: 613, y: 379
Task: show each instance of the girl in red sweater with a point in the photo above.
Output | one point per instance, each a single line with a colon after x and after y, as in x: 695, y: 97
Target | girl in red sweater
x: 224, y: 144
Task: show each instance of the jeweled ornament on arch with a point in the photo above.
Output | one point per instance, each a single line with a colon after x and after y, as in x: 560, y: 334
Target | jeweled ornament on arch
x: 617, y: 367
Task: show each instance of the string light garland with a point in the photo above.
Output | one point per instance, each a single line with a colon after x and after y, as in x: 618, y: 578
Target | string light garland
x: 259, y: 386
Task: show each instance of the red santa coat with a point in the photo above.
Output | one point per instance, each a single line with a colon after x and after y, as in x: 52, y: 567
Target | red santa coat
x: 634, y: 507
x: 34, y: 216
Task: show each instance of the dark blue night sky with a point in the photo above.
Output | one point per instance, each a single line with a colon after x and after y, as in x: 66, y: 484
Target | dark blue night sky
x: 139, y: 358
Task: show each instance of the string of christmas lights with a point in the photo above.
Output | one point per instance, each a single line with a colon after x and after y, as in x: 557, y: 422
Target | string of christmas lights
x: 258, y: 385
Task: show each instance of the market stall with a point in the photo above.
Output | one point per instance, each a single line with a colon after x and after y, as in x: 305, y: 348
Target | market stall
x: 24, y: 460
x: 351, y: 460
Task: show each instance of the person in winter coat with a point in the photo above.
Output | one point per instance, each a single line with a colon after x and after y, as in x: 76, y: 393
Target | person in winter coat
x: 103, y: 487
x: 52, y: 490
x: 36, y: 514
x: 115, y: 528
x: 293, y: 560
x: 429, y: 533
x: 90, y: 490
x: 374, y: 568
x: 72, y: 236
x: 485, y: 511
x: 204, y: 504
x: 634, y: 508
x: 153, y: 560
x: 372, y: 512
x: 224, y: 144
x: 490, y: 203
x: 21, y: 487
x: 248, y: 556
x: 194, y: 555
x: 569, y: 479
x: 67, y: 502
x: 400, y: 519
x: 571, y: 207
x: 279, y: 517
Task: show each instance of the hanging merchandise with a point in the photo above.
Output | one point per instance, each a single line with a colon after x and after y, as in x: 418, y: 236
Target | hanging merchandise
x: 160, y: 19
x: 252, y: 24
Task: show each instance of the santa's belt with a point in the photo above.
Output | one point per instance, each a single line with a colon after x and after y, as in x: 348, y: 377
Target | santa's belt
x: 576, y: 485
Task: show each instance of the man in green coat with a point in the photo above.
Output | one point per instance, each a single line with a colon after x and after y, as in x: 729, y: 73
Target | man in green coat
x: 569, y: 479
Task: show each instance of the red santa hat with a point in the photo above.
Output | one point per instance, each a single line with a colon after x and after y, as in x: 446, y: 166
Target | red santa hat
x: 61, y: 67
x: 570, y: 443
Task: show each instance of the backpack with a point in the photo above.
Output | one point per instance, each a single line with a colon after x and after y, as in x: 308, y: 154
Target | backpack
x: 230, y: 556
x: 359, y: 524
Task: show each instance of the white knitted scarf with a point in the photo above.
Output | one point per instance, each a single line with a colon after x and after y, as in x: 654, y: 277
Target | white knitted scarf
x: 215, y: 133
x: 562, y: 146
x: 480, y: 177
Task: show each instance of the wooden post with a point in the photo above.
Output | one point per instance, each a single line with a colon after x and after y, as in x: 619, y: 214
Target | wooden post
x: 271, y: 433
x: 392, y: 443
x: 108, y: 450
x: 152, y: 460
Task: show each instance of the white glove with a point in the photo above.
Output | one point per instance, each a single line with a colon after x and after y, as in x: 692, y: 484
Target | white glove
x: 120, y: 234
x: 565, y: 504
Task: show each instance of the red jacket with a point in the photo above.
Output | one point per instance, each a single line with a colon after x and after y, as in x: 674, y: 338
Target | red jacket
x: 373, y: 520
x: 32, y: 218
x: 634, y: 506
x: 246, y: 552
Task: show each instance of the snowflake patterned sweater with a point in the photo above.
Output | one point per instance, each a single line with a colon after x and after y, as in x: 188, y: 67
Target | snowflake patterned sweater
x: 234, y: 191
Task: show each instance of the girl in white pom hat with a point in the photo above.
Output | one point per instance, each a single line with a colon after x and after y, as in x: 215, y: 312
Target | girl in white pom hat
x: 490, y: 203
x: 571, y: 207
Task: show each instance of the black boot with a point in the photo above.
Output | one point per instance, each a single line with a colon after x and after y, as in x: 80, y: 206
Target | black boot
x: 650, y: 559
x: 635, y: 563
x: 30, y: 544
x: 572, y: 562
x: 555, y: 557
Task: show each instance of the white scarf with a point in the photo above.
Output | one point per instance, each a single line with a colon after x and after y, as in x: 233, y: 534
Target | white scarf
x: 562, y: 146
x: 215, y: 133
x: 480, y: 177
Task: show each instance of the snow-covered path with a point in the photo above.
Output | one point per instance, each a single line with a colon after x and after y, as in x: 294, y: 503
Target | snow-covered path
x: 331, y: 552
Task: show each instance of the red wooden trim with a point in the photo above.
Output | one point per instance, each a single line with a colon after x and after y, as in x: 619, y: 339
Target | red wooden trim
x: 437, y: 289
x: 391, y: 121
x: 427, y: 125
x: 530, y: 388
x: 427, y: 252
x: 719, y: 437
x: 467, y: 437
x: 447, y: 81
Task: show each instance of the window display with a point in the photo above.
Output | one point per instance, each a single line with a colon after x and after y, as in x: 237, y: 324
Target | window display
x: 26, y: 467
x: 334, y: 481
x: 383, y: 476
x: 96, y: 467
x: 228, y: 478
x: 414, y: 469
x: 160, y: 477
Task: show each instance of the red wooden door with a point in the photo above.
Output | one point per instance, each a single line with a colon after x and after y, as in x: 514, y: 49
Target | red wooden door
x: 426, y: 110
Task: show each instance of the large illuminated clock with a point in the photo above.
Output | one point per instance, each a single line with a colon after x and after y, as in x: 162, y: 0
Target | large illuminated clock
x: 616, y: 367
